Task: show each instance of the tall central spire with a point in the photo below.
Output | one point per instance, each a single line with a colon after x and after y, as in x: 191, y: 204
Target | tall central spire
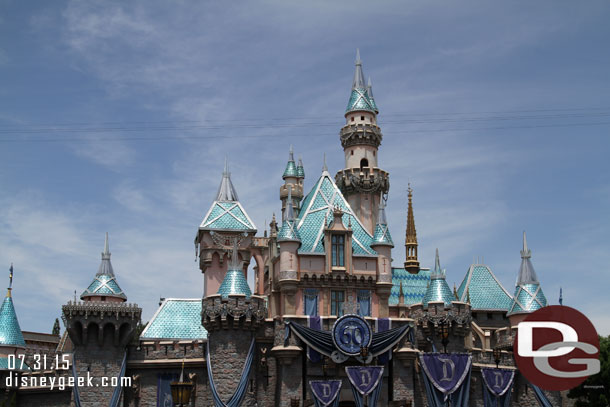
x: 226, y: 190
x: 411, y: 262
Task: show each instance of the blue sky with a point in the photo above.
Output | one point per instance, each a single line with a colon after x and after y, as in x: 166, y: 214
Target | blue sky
x: 116, y: 117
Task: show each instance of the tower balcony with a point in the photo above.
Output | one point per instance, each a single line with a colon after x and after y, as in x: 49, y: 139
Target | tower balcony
x: 371, y: 180
x: 360, y: 134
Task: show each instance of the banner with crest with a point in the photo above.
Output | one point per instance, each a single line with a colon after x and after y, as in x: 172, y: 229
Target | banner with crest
x: 366, y: 383
x: 325, y: 392
x: 446, y: 378
x: 497, y: 386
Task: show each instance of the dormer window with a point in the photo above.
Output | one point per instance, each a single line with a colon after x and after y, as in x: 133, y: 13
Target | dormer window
x: 338, y: 250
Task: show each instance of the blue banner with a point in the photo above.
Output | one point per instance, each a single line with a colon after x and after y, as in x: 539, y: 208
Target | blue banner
x: 384, y: 324
x: 446, y: 371
x: 314, y: 322
x: 164, y: 391
x: 498, y: 381
x: 325, y: 392
x: 366, y: 383
x: 497, y: 385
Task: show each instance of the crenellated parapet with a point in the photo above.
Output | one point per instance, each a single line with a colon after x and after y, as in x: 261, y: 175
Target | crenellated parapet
x: 360, y: 134
x: 370, y: 180
x: 430, y: 318
x: 87, y: 319
x: 235, y: 311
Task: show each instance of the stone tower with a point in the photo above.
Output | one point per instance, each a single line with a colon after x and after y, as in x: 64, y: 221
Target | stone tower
x: 362, y: 182
x: 232, y: 316
x: 100, y: 327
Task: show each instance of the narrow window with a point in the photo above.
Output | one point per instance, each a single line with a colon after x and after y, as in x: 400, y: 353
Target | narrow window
x: 352, y: 118
x: 310, y: 296
x: 364, y: 303
x: 364, y: 163
x: 362, y: 118
x: 336, y: 303
x: 338, y: 250
x: 352, y: 152
x: 103, y: 298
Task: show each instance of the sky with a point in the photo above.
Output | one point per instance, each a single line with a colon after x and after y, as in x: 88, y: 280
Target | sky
x: 117, y: 116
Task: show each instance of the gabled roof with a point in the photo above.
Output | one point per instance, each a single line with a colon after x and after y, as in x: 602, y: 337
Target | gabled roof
x: 10, y: 332
x: 413, y: 285
x: 226, y: 212
x: 486, y: 291
x: 176, y: 318
x: 104, y: 283
x: 317, y: 209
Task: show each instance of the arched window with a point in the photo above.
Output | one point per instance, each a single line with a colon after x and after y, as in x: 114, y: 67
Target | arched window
x: 364, y: 163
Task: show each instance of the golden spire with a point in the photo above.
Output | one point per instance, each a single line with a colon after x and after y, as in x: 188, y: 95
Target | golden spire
x: 411, y: 263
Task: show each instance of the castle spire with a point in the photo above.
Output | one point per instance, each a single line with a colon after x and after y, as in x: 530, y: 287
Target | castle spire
x: 411, y: 262
x: 300, y: 169
x: 438, y: 289
x: 104, y: 283
x: 234, y: 282
x: 291, y: 168
x: 528, y: 292
x: 10, y: 332
x: 382, y: 232
x: 359, y: 99
x: 289, y: 231
x: 226, y: 190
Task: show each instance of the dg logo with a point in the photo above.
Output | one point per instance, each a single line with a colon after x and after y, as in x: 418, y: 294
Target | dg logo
x: 557, y: 348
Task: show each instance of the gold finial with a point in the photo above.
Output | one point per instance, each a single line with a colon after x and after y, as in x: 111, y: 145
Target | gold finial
x: 468, y: 295
x: 455, y: 293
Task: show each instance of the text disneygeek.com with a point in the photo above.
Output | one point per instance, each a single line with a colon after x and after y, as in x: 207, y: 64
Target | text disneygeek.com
x: 19, y: 377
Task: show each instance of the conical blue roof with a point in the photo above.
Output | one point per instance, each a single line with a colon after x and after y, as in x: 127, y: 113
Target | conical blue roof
x: 438, y: 290
x: 291, y: 168
x: 382, y: 232
x: 288, y: 231
x: 234, y: 282
x: 528, y: 293
x: 10, y: 332
x: 104, y: 283
x: 300, y: 169
x: 359, y: 98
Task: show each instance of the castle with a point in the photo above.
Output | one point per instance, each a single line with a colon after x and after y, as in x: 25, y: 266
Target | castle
x: 329, y: 254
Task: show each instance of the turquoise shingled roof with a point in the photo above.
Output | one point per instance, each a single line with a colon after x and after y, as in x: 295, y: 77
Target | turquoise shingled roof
x: 288, y: 232
x: 300, y: 169
x: 176, y: 318
x: 437, y: 291
x: 10, y: 332
x: 291, y: 170
x: 382, y: 235
x: 413, y: 285
x: 105, y: 285
x: 486, y: 292
x: 528, y: 298
x: 228, y: 215
x: 359, y: 100
x: 318, y: 206
x: 234, y: 283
